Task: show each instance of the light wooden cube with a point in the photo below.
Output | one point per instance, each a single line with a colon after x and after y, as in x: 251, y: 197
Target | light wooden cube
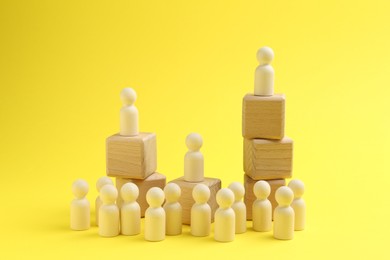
x: 132, y: 157
x: 250, y: 197
x: 263, y: 116
x: 268, y: 159
x: 187, y: 201
x: 154, y: 180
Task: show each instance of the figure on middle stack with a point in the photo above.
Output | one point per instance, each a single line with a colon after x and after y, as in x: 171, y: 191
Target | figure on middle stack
x: 131, y: 155
x: 193, y: 175
x: 267, y: 152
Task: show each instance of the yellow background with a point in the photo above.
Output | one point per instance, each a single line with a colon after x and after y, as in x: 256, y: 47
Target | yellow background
x: 63, y: 64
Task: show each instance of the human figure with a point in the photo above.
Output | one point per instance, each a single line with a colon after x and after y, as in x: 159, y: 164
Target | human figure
x: 193, y: 160
x: 128, y: 113
x: 264, y: 74
x: 155, y: 215
x: 200, y: 211
x: 284, y: 214
x: 130, y: 210
x: 225, y: 220
x: 262, y: 208
x: 98, y: 202
x: 298, y: 204
x: 108, y: 212
x: 239, y: 206
x: 80, y: 208
x: 173, y: 209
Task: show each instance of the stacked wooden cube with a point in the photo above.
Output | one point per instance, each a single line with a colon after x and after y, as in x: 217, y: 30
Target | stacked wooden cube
x: 134, y: 159
x: 267, y: 151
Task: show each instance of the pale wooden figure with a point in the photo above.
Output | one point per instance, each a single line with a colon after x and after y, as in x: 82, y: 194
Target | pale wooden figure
x: 284, y: 214
x: 130, y: 210
x: 79, y: 207
x: 155, y: 215
x: 250, y: 197
x: 239, y: 206
x: 108, y: 212
x: 224, y: 216
x: 193, y: 160
x: 264, y: 74
x: 173, y: 209
x: 98, y: 202
x: 298, y: 204
x: 200, y: 211
x: 262, y: 208
x: 128, y: 113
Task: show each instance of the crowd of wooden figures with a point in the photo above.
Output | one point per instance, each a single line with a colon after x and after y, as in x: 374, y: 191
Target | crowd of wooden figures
x: 193, y: 199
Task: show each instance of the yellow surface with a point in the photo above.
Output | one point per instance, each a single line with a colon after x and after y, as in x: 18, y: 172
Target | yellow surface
x: 63, y: 64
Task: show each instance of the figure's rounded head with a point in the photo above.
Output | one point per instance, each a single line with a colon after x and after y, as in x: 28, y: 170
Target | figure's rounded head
x: 155, y: 197
x: 103, y: 181
x: 108, y: 194
x: 261, y: 189
x: 128, y: 96
x: 201, y: 193
x: 238, y: 190
x: 194, y: 141
x: 80, y: 188
x: 284, y: 196
x: 297, y: 187
x: 129, y: 192
x: 225, y: 198
x: 265, y: 55
x: 172, y: 192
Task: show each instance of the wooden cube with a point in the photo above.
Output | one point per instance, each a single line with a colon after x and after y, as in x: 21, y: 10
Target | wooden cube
x: 154, y: 180
x: 187, y: 201
x: 263, y: 116
x: 133, y: 157
x: 268, y: 159
x: 250, y: 197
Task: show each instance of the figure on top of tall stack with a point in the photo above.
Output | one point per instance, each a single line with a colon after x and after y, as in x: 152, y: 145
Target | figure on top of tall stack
x: 267, y: 152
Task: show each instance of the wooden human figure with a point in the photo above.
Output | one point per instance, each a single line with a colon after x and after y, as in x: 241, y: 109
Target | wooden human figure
x: 173, y: 209
x: 80, y: 208
x: 264, y: 74
x: 262, y: 208
x: 193, y: 160
x: 200, y: 211
x: 128, y: 113
x: 155, y: 215
x: 298, y: 204
x: 225, y: 220
x: 284, y: 214
x: 239, y: 206
x: 130, y: 211
x: 108, y: 212
x: 98, y: 202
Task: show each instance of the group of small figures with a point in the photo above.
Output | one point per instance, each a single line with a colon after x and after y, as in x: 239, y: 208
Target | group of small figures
x: 163, y: 219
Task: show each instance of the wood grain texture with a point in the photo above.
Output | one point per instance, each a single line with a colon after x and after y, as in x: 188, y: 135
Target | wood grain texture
x: 154, y: 180
x: 250, y: 197
x: 268, y: 159
x: 263, y: 116
x: 132, y: 157
x: 187, y: 201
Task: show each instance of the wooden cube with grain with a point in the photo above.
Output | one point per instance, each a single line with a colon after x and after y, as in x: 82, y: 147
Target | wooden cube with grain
x: 268, y: 159
x: 132, y: 157
x: 263, y: 116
